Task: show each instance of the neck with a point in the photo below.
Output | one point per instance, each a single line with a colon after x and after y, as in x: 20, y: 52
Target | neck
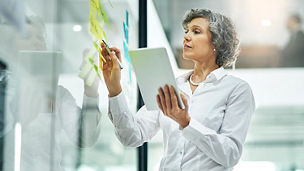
x: 202, y: 70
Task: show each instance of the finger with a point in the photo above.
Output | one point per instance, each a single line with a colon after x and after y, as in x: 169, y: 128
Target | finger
x: 159, y: 103
x: 107, y: 66
x: 101, y: 44
x: 167, y: 98
x: 117, y: 52
x: 114, y: 61
x: 162, y: 99
x: 104, y: 52
x: 173, y: 96
x: 185, y: 101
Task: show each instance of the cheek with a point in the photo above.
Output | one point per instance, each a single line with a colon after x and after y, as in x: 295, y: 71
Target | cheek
x: 202, y: 47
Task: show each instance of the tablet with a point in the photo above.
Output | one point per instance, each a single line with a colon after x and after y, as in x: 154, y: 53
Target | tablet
x: 153, y: 70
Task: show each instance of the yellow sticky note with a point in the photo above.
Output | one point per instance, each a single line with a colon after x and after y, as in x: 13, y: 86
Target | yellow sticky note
x: 96, y: 29
x: 94, y: 7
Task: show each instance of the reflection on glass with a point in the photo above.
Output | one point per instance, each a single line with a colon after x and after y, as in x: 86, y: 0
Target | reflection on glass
x: 293, y: 51
x: 45, y: 107
x: 40, y: 111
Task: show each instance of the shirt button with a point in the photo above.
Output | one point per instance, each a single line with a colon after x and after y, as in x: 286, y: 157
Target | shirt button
x: 181, y: 152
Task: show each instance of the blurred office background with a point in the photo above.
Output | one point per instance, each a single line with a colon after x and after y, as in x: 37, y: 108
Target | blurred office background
x: 275, y: 141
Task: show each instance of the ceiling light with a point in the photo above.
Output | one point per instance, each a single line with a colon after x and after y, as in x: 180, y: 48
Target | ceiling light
x: 77, y: 28
x: 266, y: 23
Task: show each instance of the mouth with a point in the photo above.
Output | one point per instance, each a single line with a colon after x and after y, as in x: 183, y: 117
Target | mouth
x: 187, y: 46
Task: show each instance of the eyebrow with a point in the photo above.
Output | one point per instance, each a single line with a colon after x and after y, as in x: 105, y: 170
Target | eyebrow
x: 194, y: 26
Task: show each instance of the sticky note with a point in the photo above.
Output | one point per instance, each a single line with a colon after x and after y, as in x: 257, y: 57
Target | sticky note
x: 91, y: 61
x: 104, y: 15
x: 94, y: 66
x: 127, y: 18
x: 130, y: 75
x: 126, y: 32
x: 126, y: 53
x: 110, y: 3
x: 94, y: 7
x: 96, y: 29
x: 96, y: 46
x: 96, y: 70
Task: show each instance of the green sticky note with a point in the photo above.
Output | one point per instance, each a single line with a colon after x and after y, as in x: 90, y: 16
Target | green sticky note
x: 110, y: 3
x: 91, y: 61
x: 96, y: 70
x: 96, y: 46
x: 94, y: 66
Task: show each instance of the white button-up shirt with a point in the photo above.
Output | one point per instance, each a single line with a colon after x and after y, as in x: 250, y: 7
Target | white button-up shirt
x: 220, y: 109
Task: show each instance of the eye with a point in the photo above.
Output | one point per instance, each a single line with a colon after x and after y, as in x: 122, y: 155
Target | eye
x: 197, y: 31
x: 186, y: 31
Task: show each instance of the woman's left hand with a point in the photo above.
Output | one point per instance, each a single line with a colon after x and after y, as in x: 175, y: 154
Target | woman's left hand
x: 168, y: 103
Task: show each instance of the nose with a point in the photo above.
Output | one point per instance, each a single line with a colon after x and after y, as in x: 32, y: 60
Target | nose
x: 187, y: 37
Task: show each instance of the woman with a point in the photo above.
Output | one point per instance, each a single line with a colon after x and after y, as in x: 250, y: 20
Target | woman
x: 210, y: 132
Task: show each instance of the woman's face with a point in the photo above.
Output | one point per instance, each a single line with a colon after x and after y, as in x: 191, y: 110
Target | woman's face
x: 197, y: 42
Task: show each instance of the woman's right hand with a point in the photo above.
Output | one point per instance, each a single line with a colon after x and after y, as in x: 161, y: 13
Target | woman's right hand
x: 111, y: 70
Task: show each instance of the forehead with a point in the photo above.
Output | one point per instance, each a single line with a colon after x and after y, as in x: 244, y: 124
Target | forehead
x: 201, y: 22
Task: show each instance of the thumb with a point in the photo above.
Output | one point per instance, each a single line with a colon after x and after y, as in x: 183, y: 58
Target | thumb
x: 185, y: 101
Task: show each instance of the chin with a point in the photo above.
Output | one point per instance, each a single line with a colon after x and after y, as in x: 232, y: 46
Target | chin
x: 187, y: 56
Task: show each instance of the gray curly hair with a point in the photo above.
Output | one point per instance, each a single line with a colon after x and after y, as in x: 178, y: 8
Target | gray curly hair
x: 223, y: 34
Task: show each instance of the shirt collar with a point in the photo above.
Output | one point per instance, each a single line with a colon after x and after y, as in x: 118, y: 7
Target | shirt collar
x: 215, y: 75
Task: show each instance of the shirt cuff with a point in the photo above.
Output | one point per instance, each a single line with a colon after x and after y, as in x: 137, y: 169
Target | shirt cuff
x: 195, y: 129
x: 117, y: 106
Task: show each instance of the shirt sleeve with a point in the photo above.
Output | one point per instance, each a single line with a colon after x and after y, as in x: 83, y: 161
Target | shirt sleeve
x: 90, y: 121
x: 132, y: 130
x: 225, y: 146
x: 74, y: 118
